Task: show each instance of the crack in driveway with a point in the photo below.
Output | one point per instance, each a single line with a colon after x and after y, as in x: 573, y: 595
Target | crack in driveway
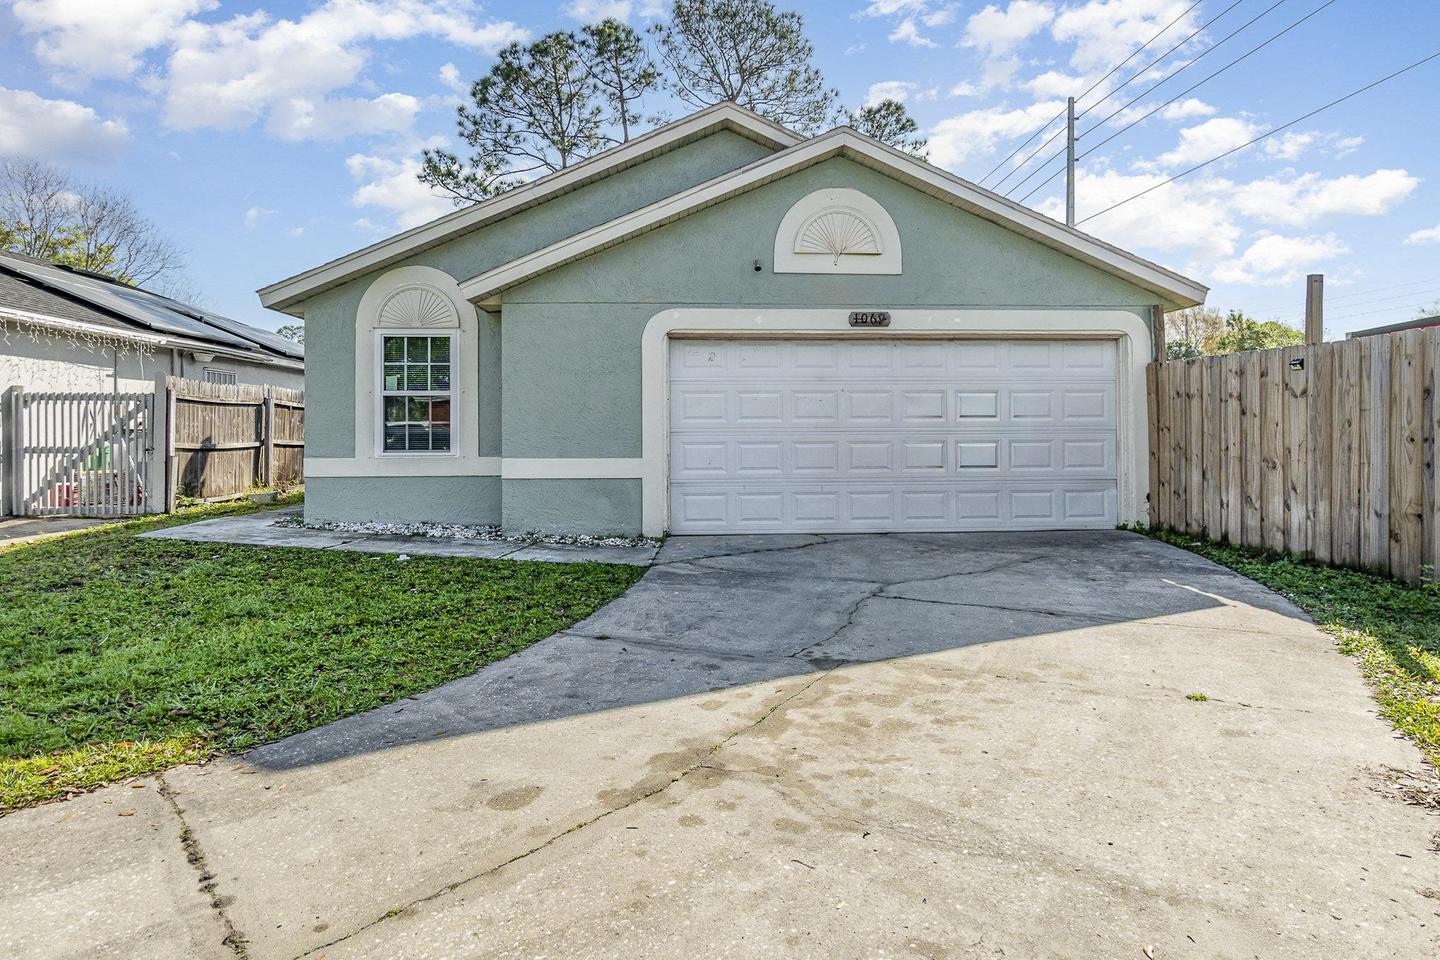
x: 551, y: 841
x: 233, y: 939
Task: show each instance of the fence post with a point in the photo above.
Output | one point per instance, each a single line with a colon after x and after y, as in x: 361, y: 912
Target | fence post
x: 13, y: 452
x: 171, y: 462
x: 1157, y: 332
x: 1314, y: 309
x: 269, y: 438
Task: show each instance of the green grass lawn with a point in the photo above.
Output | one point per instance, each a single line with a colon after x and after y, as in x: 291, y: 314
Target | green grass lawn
x: 1391, y: 628
x: 121, y: 656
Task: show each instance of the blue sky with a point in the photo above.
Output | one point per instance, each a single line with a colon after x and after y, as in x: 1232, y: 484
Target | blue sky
x: 266, y: 138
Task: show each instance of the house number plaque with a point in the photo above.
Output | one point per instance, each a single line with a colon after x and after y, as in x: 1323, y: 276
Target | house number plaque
x: 869, y: 318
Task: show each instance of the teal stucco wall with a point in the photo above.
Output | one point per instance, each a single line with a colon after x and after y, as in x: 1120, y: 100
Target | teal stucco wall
x: 472, y: 501
x: 330, y: 316
x: 572, y: 337
x: 561, y: 369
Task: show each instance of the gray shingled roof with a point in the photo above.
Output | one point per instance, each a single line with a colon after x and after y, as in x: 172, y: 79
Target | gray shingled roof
x: 79, y: 295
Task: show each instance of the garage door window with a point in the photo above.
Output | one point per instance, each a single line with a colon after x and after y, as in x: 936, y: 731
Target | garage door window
x: 416, y: 394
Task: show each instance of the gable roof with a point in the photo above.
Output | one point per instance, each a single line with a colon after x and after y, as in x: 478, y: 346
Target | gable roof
x: 286, y: 294
x: 1170, y: 288
x: 38, y: 290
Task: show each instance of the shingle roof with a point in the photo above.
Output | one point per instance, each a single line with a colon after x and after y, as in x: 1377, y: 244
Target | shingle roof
x: 93, y: 298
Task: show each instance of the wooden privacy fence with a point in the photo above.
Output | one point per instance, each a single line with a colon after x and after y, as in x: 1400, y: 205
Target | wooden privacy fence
x: 1326, y: 450
x: 225, y: 439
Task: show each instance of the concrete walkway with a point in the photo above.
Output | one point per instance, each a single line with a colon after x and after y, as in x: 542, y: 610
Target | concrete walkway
x: 859, y: 747
x: 16, y: 530
x: 260, y: 530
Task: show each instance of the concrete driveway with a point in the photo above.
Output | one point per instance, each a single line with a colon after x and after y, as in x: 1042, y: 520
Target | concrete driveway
x: 866, y: 746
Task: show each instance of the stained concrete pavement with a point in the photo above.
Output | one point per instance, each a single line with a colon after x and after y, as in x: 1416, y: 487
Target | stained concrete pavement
x: 866, y: 746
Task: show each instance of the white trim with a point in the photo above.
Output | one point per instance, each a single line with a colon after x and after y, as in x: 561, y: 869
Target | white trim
x: 457, y: 354
x: 324, y: 467
x: 463, y: 460
x: 511, y: 468
x: 838, y: 199
x: 1173, y: 289
x: 1132, y: 349
x: 286, y: 294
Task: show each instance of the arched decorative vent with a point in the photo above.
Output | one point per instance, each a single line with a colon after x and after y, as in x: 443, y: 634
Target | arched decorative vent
x: 417, y: 307
x: 838, y: 233
x: 838, y: 230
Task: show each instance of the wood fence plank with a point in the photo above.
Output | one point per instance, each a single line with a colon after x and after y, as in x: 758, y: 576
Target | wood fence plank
x: 1195, y: 446
x: 1432, y: 455
x: 1340, y: 428
x: 1407, y: 470
x: 1160, y: 498
x: 1232, y: 498
x: 1272, y: 449
x: 1319, y: 413
x: 1152, y: 403
x: 1296, y: 467
x: 1175, y: 374
x: 1251, y: 522
x: 1375, y: 528
x: 1214, y: 423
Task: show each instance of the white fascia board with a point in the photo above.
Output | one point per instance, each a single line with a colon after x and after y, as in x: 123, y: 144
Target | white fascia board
x: 1174, y: 289
x: 286, y: 294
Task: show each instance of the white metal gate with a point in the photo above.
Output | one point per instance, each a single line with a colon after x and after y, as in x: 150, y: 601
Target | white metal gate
x: 80, y: 454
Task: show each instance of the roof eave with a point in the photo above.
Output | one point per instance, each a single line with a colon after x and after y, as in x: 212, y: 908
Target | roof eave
x: 286, y: 295
x: 1171, y: 289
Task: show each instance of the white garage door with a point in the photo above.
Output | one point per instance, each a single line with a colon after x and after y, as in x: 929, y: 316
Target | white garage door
x: 814, y: 436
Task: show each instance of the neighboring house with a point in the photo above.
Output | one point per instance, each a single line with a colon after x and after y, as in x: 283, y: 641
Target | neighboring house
x: 1420, y: 323
x: 69, y: 330
x: 722, y: 327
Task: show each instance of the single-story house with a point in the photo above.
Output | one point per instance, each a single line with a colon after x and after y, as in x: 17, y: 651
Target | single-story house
x: 69, y: 330
x: 723, y: 327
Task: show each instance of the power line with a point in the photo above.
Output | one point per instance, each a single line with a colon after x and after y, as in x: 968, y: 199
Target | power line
x: 1141, y: 72
x: 1193, y: 87
x: 1267, y: 134
x: 1329, y: 300
x: 1041, y: 185
x: 1091, y: 88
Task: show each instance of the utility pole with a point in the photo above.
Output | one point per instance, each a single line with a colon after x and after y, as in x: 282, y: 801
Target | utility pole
x: 1315, y: 308
x: 1070, y: 163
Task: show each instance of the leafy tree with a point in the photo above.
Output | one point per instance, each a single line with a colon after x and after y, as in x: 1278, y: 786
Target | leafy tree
x: 1246, y: 333
x: 1180, y: 350
x: 536, y: 111
x: 1195, y: 327
x: 748, y: 52
x: 889, y: 122
x: 621, y: 69
x: 45, y: 213
x: 292, y: 331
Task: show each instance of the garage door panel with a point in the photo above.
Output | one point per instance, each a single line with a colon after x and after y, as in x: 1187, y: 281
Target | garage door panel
x: 892, y: 435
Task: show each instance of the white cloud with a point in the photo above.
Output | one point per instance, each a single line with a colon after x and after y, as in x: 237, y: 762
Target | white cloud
x: 1107, y: 31
x: 1289, y: 145
x: 450, y: 76
x: 906, y: 32
x: 389, y: 184
x: 589, y: 11
x: 1207, y: 140
x: 255, y: 215
x: 59, y: 129
x: 1190, y: 219
x: 333, y: 119
x: 954, y: 140
x: 899, y: 90
x: 1428, y: 235
x: 1054, y: 83
x: 1187, y: 109
x: 1304, y: 199
x: 85, y: 39
x: 229, y: 74
x: 999, y: 31
x: 296, y: 231
x: 1275, y: 260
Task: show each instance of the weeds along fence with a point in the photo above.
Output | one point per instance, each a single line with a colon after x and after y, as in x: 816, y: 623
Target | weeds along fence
x: 225, y: 439
x: 1326, y: 451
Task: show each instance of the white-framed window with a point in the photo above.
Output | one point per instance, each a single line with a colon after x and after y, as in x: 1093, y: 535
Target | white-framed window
x: 416, y: 393
x: 217, y: 375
